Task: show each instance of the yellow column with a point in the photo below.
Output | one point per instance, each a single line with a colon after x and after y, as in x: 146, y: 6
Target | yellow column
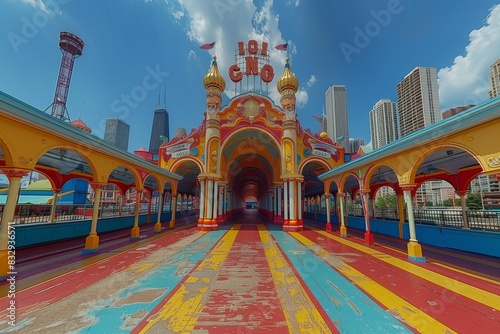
x: 92, y: 241
x: 136, y: 230
x: 414, y: 248
x: 160, y: 210
x: 343, y: 228
x: 7, y: 229
x: 53, y: 207
x: 174, y: 210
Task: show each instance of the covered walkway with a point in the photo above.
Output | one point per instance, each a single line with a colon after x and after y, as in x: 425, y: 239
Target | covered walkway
x: 251, y: 277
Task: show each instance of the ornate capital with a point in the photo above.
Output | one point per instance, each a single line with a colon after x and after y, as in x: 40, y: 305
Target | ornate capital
x: 340, y: 194
x: 461, y: 193
x: 13, y: 173
x: 97, y: 185
x: 407, y: 187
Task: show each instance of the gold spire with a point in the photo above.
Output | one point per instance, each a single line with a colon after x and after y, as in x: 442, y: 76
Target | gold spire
x: 213, y: 81
x: 288, y: 83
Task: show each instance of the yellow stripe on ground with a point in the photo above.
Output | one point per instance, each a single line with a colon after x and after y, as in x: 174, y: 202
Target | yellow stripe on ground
x: 436, y: 262
x: 466, y: 290
x: 466, y: 273
x: 180, y: 311
x: 300, y: 313
x: 396, y: 305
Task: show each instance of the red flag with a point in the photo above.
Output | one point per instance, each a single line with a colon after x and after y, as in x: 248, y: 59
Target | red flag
x: 207, y: 46
x: 282, y: 47
x: 320, y: 119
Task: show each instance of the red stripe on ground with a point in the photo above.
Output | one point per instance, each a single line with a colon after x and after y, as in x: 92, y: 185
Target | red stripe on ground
x: 451, y: 309
x: 243, y: 298
x: 66, y: 284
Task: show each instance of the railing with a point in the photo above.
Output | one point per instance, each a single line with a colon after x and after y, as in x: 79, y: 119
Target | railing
x: 477, y: 219
x: 35, y: 213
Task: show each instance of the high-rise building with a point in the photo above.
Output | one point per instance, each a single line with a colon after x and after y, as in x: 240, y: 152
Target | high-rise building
x: 495, y: 79
x: 336, y: 115
x: 418, y: 100
x: 355, y: 144
x: 453, y: 111
x: 117, y: 132
x: 322, y: 123
x: 383, y: 123
x: 160, y: 128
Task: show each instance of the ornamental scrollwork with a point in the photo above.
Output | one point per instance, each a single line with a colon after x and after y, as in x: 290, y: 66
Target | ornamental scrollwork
x: 494, y: 161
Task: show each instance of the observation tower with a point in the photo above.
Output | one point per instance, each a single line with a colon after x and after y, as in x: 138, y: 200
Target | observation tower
x: 71, y: 47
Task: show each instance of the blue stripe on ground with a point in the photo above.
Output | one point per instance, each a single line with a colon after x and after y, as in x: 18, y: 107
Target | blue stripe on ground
x: 347, y: 306
x: 117, y: 319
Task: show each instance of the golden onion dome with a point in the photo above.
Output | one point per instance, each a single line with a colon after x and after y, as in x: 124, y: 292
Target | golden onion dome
x: 287, y: 80
x: 213, y: 81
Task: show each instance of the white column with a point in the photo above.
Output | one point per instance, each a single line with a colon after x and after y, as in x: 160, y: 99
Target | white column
x: 411, y: 219
x: 299, y: 199
x: 285, y: 200
x: 202, y: 199
x: 210, y: 196
x: 221, y: 200
x: 215, y: 213
x: 291, y: 197
x: 278, y: 202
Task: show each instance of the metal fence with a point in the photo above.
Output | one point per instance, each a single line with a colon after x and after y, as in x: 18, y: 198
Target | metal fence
x: 477, y: 219
x: 35, y: 213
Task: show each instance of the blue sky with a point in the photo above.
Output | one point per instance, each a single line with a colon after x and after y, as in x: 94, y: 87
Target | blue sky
x: 368, y: 46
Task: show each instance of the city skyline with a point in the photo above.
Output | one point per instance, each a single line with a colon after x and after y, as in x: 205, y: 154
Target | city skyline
x: 124, y: 65
x: 418, y: 100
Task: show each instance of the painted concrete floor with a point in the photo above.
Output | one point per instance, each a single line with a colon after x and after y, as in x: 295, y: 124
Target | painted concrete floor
x: 251, y: 277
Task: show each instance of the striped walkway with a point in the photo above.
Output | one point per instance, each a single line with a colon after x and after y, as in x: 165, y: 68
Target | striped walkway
x: 251, y: 277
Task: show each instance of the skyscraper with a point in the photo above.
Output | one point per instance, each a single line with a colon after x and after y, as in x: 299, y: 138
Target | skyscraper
x: 160, y: 127
x: 495, y: 79
x: 355, y: 144
x: 117, y: 132
x: 418, y: 100
x: 383, y: 123
x: 336, y: 115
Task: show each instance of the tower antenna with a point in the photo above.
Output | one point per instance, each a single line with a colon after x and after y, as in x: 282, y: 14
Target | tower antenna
x: 165, y: 98
x: 71, y: 47
x: 158, y: 105
x: 81, y: 109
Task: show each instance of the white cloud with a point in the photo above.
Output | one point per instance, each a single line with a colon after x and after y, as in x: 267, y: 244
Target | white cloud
x: 191, y: 54
x: 302, y: 98
x: 466, y: 81
x: 229, y: 22
x: 312, y: 80
x: 37, y: 4
x: 178, y: 15
x: 295, y: 3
